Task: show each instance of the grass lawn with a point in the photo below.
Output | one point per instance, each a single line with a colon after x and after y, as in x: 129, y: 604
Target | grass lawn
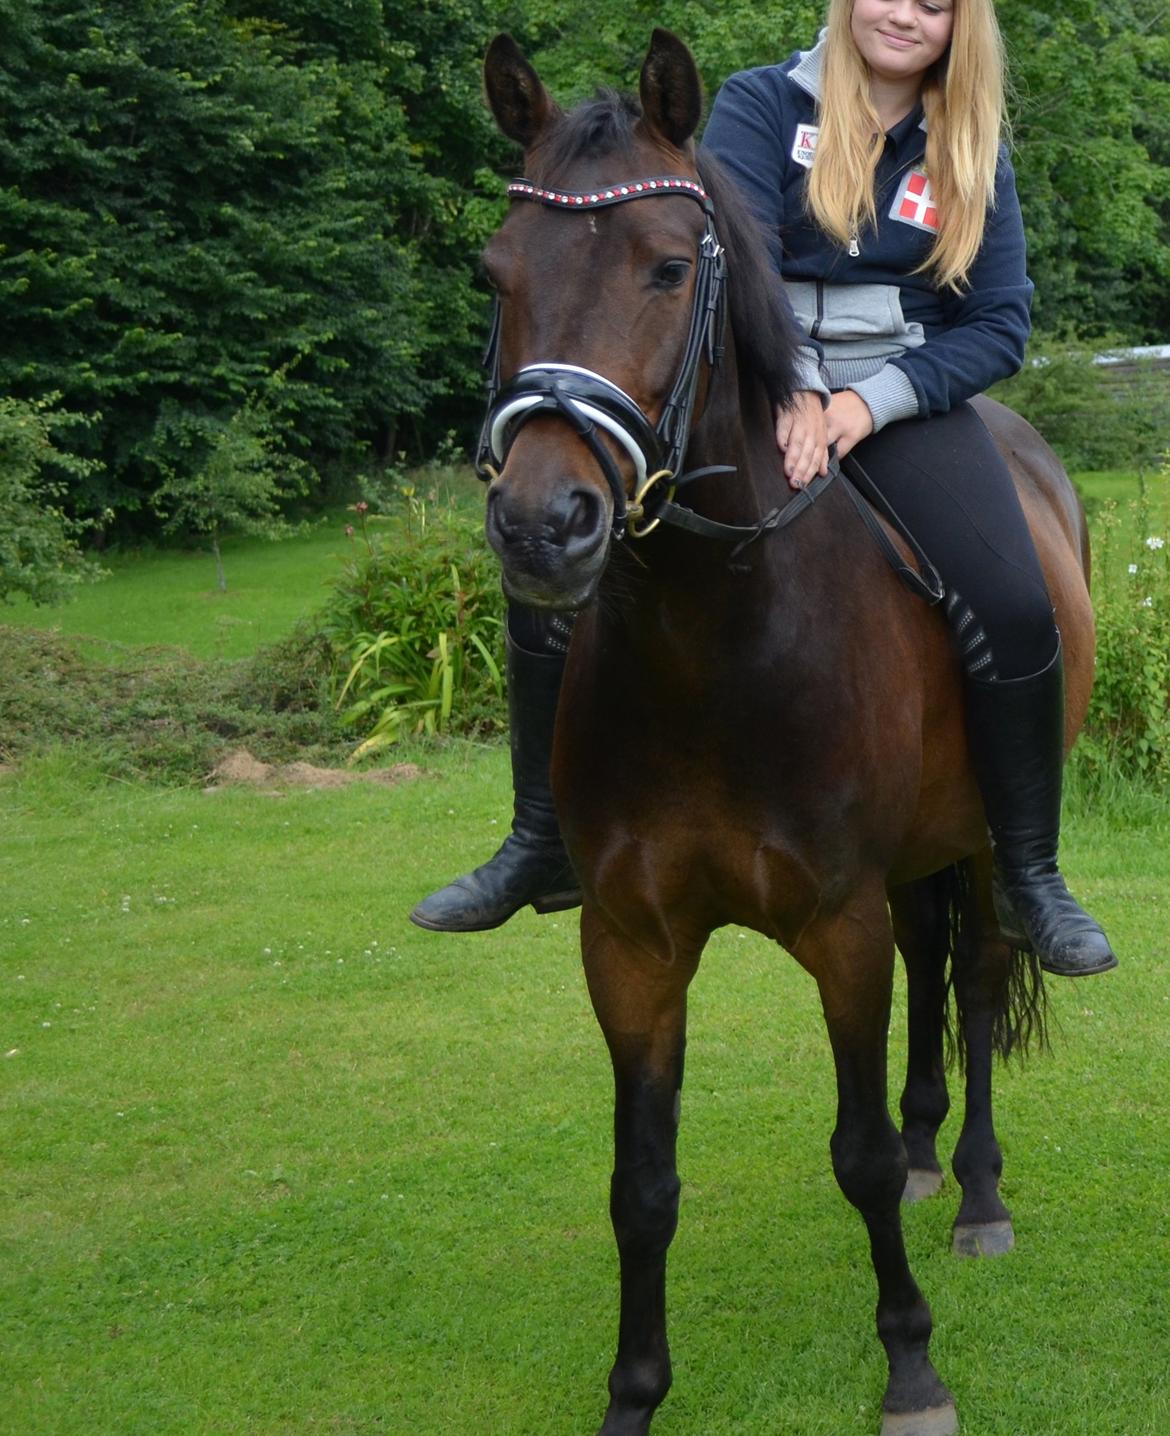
x: 170, y: 596
x: 276, y: 1161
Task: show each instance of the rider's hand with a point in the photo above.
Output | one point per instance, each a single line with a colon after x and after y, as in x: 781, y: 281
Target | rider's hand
x: 847, y: 420
x: 801, y: 438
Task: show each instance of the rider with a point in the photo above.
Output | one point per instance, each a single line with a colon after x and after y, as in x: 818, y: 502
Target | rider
x: 874, y: 163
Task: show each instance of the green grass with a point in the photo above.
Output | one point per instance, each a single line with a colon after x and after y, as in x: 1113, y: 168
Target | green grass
x: 276, y: 1161
x: 170, y: 596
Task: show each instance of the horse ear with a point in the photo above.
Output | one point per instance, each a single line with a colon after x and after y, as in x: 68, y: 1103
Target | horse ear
x: 522, y: 106
x: 671, y: 91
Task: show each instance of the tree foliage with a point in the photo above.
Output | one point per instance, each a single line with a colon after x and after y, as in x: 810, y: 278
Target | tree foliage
x: 196, y: 195
x: 39, y: 554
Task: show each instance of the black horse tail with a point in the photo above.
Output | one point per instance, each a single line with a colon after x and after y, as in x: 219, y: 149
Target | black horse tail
x: 1013, y: 993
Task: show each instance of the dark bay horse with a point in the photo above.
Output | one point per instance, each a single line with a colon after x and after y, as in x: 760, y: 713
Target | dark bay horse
x: 765, y: 732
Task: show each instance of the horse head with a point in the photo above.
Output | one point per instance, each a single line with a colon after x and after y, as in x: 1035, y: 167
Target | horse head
x: 607, y: 319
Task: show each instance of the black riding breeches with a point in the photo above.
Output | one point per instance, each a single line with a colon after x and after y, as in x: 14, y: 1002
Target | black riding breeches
x: 948, y: 483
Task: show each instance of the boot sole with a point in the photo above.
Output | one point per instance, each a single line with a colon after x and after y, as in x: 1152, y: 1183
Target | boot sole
x: 1105, y: 965
x: 551, y: 902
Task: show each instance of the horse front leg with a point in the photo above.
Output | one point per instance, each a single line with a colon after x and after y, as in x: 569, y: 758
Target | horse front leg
x: 641, y: 1005
x: 851, y: 955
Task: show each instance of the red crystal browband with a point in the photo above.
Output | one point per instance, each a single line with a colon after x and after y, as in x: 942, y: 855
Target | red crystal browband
x: 610, y: 194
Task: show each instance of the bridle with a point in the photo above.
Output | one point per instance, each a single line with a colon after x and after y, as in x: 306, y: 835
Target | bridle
x: 588, y: 400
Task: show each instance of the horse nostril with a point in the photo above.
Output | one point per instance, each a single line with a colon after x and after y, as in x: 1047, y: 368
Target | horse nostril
x: 496, y: 520
x: 584, y: 515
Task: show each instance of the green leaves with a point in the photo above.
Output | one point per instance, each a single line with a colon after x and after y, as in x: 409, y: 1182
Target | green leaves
x: 1128, y: 727
x: 192, y: 197
x: 39, y: 553
x: 416, y: 624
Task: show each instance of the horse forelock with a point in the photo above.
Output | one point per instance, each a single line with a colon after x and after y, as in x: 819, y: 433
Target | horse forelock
x: 594, y: 129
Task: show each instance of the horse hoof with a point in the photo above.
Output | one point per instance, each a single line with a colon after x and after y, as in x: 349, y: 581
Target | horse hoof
x: 984, y: 1239
x: 921, y: 1183
x: 935, y: 1421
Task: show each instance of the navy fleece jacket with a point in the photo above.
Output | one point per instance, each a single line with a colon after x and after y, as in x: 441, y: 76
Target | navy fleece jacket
x: 908, y: 348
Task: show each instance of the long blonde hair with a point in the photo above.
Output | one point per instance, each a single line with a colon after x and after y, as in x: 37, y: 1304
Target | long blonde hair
x: 963, y: 101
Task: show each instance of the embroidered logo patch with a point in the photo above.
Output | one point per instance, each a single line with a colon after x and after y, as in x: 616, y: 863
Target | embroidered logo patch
x: 804, y: 146
x: 914, y: 203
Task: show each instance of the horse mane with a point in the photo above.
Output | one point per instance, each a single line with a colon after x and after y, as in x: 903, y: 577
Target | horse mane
x: 766, y: 336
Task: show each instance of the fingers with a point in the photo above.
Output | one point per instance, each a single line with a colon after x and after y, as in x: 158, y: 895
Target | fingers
x: 847, y: 421
x: 801, y: 438
x: 806, y: 456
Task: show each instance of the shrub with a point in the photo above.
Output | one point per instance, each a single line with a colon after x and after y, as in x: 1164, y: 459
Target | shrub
x: 39, y: 553
x: 1096, y: 416
x: 416, y: 624
x: 1128, y: 725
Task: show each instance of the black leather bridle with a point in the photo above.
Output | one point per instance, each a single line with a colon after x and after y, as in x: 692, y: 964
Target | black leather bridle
x: 591, y: 402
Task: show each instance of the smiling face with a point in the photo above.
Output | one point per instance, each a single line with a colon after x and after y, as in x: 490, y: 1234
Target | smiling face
x: 902, y: 39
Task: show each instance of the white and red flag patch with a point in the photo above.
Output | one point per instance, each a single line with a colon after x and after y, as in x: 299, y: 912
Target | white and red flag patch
x: 914, y: 203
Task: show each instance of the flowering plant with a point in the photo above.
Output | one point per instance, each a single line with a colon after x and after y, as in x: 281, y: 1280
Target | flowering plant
x: 1128, y: 724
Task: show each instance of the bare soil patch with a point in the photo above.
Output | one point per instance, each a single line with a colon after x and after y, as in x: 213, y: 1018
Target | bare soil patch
x: 240, y: 767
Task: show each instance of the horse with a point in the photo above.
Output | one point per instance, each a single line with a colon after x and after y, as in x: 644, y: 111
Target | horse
x: 758, y: 724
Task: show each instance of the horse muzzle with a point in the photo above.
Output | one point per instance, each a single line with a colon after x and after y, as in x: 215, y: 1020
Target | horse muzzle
x: 552, y: 539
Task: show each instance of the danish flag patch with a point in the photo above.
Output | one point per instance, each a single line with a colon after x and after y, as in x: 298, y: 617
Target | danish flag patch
x: 804, y: 145
x: 914, y: 203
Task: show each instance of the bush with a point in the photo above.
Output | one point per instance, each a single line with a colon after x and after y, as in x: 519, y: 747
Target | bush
x: 39, y: 553
x: 1128, y: 725
x: 1096, y: 416
x: 416, y: 624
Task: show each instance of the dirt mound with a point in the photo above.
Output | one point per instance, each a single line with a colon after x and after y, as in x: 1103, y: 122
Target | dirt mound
x: 240, y: 766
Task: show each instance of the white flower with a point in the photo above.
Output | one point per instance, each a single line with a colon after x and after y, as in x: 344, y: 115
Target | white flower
x: 1147, y: 602
x: 1154, y: 542
x: 1133, y: 568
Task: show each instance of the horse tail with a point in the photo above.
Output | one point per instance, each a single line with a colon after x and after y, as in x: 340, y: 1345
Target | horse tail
x: 978, y: 977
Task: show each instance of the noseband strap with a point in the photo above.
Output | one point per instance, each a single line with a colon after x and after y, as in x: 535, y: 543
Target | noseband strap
x: 588, y: 400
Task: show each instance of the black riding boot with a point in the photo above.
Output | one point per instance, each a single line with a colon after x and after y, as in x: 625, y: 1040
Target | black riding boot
x: 1015, y: 728
x: 531, y: 866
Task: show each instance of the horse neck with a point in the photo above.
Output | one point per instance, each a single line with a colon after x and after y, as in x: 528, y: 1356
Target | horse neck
x: 673, y: 574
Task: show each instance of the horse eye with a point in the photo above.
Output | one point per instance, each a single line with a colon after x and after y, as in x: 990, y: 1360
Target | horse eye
x: 672, y: 275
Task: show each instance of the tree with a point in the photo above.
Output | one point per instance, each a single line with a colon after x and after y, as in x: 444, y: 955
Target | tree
x: 39, y: 553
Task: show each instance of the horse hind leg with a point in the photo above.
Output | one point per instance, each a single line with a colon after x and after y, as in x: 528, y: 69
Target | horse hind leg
x: 921, y: 913
x: 1000, y: 997
x: 851, y: 955
x: 641, y: 1006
